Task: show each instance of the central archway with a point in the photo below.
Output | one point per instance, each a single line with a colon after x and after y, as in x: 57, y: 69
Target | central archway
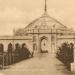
x: 43, y: 44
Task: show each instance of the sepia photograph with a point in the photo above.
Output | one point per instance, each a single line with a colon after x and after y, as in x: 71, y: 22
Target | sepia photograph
x: 37, y: 37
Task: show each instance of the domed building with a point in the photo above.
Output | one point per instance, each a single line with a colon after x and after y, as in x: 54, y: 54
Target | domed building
x: 47, y: 34
x: 43, y: 35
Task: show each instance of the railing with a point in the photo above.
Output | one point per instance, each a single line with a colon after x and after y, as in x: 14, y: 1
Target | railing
x: 7, y: 59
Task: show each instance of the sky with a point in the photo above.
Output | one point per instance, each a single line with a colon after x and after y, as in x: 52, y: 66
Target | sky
x: 16, y: 14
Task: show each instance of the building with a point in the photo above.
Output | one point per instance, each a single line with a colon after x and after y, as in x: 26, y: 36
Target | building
x: 44, y: 34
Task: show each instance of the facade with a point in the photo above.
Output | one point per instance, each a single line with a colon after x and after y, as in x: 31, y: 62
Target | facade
x: 45, y: 34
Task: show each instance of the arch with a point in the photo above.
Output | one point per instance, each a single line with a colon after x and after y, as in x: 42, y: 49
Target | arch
x: 24, y: 44
x: 44, y: 37
x: 43, y: 44
x: 17, y: 46
x: 1, y: 48
x: 10, y: 48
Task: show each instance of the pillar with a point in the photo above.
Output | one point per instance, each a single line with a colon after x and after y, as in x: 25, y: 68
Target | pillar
x: 73, y: 64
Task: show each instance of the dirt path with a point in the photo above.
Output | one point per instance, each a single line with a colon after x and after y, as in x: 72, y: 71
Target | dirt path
x: 43, y: 65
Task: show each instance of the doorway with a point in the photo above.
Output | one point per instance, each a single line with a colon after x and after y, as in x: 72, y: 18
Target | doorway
x: 44, y: 45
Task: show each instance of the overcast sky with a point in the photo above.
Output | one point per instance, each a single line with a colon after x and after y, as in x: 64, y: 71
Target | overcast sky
x: 16, y: 14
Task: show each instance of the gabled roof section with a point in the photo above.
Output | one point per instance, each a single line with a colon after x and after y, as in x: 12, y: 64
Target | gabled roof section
x: 45, y: 22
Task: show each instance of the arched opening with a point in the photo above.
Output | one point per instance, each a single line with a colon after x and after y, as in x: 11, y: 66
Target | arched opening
x: 17, y: 47
x: 1, y: 48
x: 1, y: 53
x: 43, y: 44
x: 17, y: 52
x: 25, y: 53
x: 10, y: 48
x: 9, y: 54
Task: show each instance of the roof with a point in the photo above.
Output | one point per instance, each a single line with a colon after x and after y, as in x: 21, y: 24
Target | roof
x: 45, y: 22
x: 15, y: 38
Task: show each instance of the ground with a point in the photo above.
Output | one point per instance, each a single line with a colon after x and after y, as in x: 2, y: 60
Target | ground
x: 45, y: 64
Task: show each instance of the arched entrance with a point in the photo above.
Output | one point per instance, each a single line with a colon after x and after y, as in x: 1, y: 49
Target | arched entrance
x: 44, y: 44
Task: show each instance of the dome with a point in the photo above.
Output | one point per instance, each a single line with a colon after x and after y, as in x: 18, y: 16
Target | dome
x: 45, y: 22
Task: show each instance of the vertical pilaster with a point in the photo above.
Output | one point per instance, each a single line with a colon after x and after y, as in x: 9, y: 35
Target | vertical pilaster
x: 73, y: 64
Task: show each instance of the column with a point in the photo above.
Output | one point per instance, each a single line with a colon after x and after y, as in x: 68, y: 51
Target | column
x: 73, y: 64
